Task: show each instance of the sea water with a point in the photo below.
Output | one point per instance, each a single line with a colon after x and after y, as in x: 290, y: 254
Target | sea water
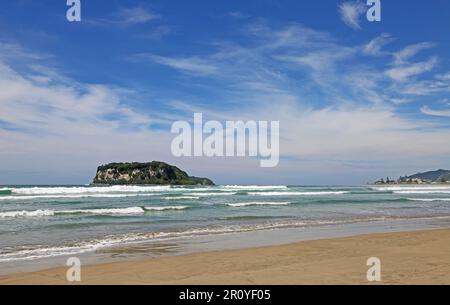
x: 39, y: 222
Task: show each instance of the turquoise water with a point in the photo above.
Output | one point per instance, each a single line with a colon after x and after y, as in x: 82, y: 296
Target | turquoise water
x: 43, y: 222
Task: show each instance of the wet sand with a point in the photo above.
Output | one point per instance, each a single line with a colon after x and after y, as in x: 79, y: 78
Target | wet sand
x: 419, y: 257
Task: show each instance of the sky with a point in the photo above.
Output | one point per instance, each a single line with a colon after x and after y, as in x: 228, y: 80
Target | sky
x: 356, y: 100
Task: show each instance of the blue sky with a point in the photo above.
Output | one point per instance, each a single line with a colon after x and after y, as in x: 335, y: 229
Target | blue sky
x: 355, y: 100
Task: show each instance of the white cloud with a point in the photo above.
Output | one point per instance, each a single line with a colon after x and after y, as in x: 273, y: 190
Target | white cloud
x: 351, y: 12
x: 433, y: 112
x: 347, y: 132
x: 374, y: 47
x: 354, y: 119
x: 422, y: 88
x: 444, y: 77
x: 408, y: 52
x: 238, y: 15
x: 127, y: 16
x: 405, y: 72
x: 192, y: 65
x: 337, y: 115
x: 319, y: 60
x: 10, y: 51
x: 156, y: 33
x: 293, y: 35
x: 400, y: 101
x: 52, y: 124
x: 135, y: 15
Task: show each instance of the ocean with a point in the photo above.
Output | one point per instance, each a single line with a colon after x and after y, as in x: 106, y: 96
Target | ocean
x: 40, y: 222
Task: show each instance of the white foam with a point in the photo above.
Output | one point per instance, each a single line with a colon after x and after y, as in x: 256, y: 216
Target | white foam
x: 296, y: 193
x: 211, y: 194
x: 88, y: 190
x: 181, y: 197
x: 229, y: 188
x: 63, y: 196
x: 197, y: 189
x: 255, y: 187
x: 38, y: 213
x: 83, y: 247
x: 106, y: 242
x: 115, y: 211
x: 412, y: 188
x: 126, y: 211
x: 429, y: 199
x: 167, y: 208
x: 244, y: 204
x: 94, y: 245
x: 122, y: 190
x: 422, y: 192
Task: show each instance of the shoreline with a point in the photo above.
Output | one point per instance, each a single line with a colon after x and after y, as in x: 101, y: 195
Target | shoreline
x: 414, y: 257
x: 179, y: 246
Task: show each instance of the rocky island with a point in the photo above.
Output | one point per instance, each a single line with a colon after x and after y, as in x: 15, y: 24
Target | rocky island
x: 440, y: 176
x: 135, y: 173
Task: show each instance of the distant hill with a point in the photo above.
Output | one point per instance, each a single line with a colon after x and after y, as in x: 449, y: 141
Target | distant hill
x: 441, y: 175
x: 438, y: 176
x: 155, y: 172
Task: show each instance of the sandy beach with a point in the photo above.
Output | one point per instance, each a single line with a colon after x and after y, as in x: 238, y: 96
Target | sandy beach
x: 420, y: 257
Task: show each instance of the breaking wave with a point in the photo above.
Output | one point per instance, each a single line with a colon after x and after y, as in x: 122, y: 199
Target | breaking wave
x: 428, y: 199
x: 211, y: 194
x: 245, y: 204
x: 63, y: 196
x: 37, y: 213
x: 255, y: 187
x: 181, y: 197
x: 86, y: 190
x: 118, y: 211
x: 412, y: 188
x: 297, y: 193
x: 424, y: 192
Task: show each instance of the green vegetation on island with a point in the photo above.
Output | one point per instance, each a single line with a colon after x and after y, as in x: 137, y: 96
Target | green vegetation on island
x: 151, y: 173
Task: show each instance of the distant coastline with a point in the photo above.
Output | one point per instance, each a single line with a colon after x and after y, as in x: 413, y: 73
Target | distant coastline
x: 438, y: 177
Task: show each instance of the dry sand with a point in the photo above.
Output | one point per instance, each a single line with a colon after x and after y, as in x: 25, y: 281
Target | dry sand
x: 421, y: 257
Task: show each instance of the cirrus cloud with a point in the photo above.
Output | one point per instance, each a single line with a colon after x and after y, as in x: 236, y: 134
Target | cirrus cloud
x: 351, y: 12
